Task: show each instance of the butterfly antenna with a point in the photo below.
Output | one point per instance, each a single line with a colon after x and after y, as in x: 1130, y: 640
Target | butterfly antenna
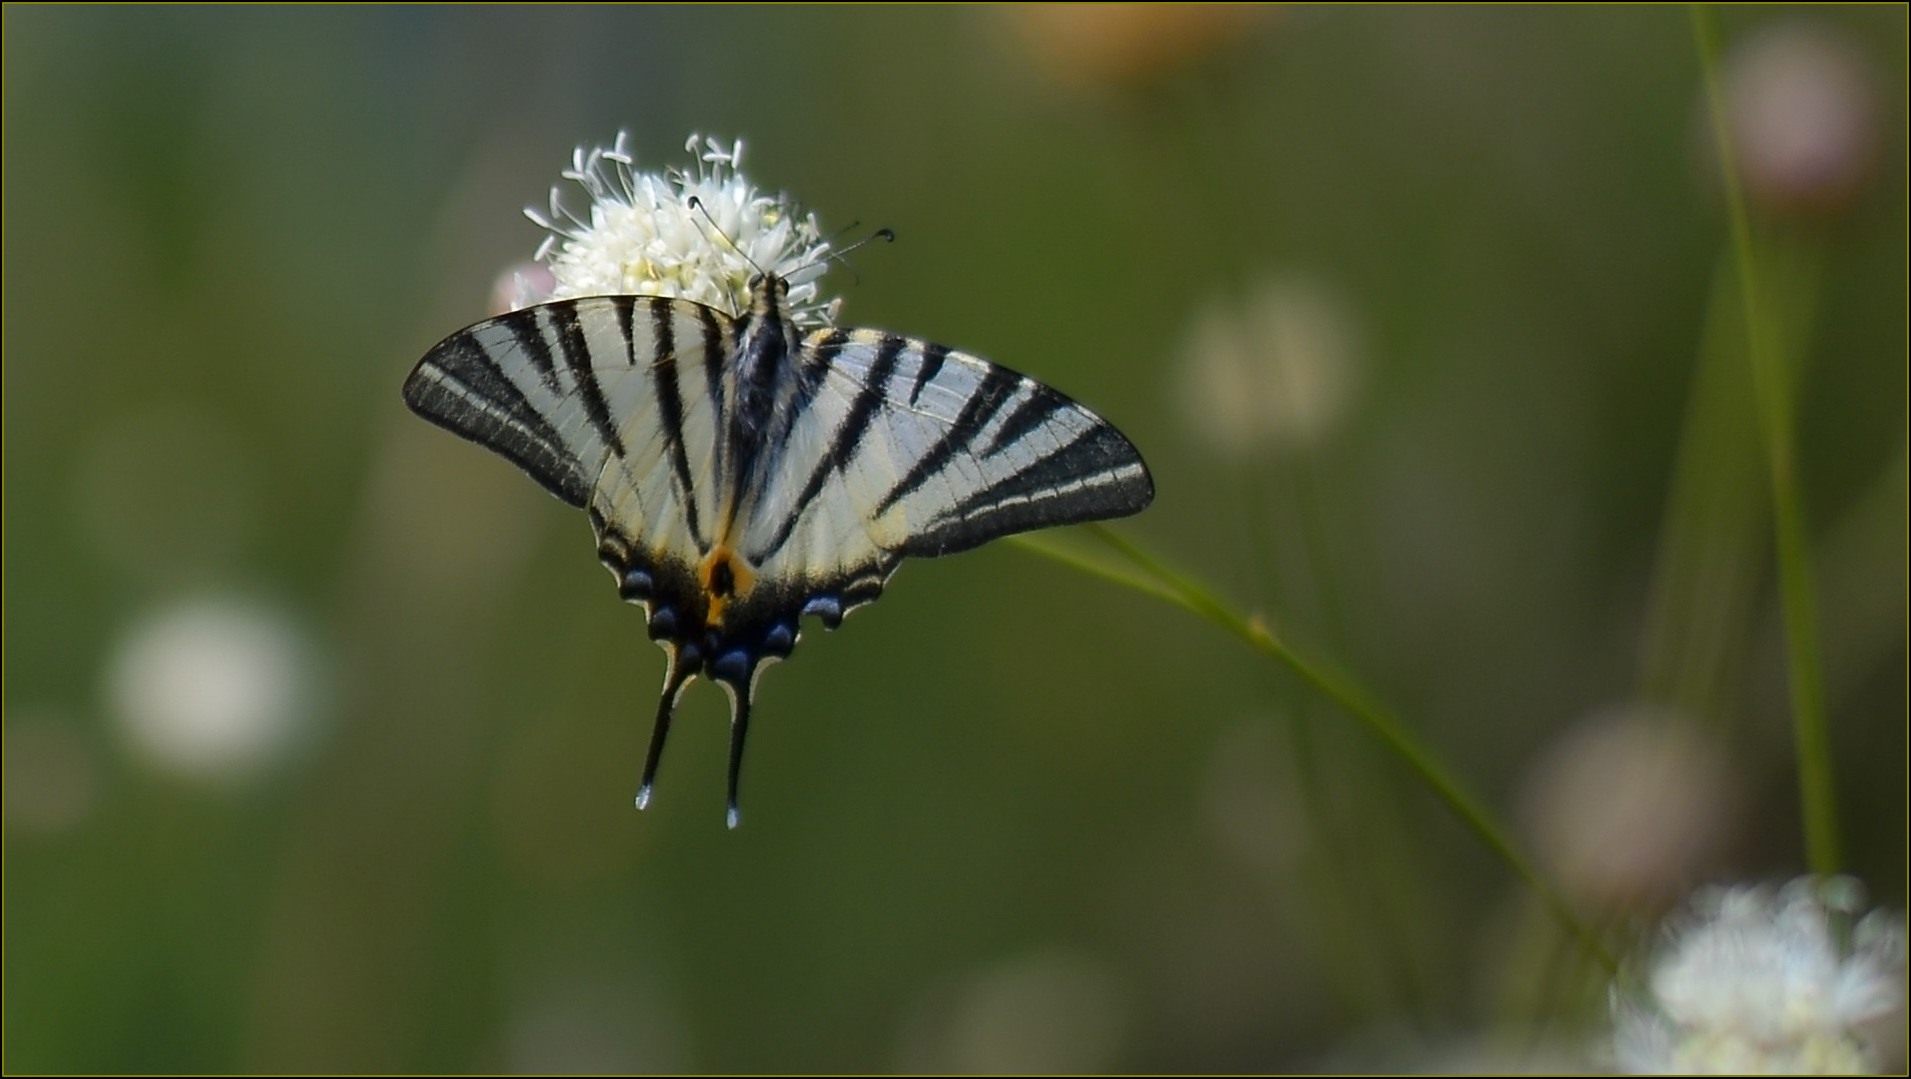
x: 697, y: 205
x: 739, y: 728
x: 840, y: 233
x: 840, y: 257
x: 676, y: 676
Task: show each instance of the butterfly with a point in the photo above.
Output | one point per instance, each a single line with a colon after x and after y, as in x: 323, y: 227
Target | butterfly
x: 741, y: 475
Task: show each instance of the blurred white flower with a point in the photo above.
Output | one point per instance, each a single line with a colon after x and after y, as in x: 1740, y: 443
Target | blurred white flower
x: 1276, y: 370
x: 1752, y: 981
x: 1804, y: 116
x: 1629, y: 807
x: 699, y: 234
x: 212, y: 689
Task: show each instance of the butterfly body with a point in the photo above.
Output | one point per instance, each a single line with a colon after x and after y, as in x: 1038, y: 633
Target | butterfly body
x: 741, y: 476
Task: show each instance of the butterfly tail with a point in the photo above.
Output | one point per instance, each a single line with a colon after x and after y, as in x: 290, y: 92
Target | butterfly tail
x: 739, y: 729
x: 676, y: 676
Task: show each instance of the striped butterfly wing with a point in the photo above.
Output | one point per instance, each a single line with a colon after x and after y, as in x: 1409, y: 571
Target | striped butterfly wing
x: 612, y: 403
x: 896, y: 447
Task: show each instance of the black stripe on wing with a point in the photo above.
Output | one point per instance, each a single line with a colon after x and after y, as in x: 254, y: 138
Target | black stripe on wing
x: 462, y: 388
x: 1039, y: 407
x: 811, y: 369
x: 716, y: 355
x: 1097, y: 476
x: 976, y: 413
x: 663, y: 374
x: 1080, y: 468
x: 535, y: 347
x: 577, y: 359
x: 847, y: 440
x: 932, y: 357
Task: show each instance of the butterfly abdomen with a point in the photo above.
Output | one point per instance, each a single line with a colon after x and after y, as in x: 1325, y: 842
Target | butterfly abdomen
x: 765, y: 349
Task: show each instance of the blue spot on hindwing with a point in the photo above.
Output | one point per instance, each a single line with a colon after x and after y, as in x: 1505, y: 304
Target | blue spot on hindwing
x: 636, y: 585
x: 779, y: 640
x: 733, y: 667
x: 827, y: 608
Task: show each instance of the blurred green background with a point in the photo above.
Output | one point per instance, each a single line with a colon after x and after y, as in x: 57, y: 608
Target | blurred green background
x: 321, y: 727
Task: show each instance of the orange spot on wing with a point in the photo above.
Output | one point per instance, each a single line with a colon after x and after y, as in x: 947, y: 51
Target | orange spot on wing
x: 724, y: 576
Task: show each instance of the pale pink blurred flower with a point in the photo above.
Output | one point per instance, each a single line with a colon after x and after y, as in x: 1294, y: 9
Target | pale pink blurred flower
x: 524, y: 285
x: 1629, y: 807
x: 1804, y: 115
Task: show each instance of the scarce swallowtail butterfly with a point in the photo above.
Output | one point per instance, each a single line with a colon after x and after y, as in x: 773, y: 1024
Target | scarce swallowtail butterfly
x: 740, y: 475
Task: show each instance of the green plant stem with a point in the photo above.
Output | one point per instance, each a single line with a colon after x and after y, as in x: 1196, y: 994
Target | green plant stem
x: 1163, y: 582
x: 1773, y: 389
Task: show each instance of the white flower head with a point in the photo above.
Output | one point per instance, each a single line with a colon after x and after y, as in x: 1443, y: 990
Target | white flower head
x: 1752, y: 981
x: 696, y: 234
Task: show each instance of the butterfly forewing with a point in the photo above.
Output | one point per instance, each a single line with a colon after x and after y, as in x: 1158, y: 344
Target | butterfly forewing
x: 603, y: 400
x: 923, y: 450
x: 481, y: 385
x: 739, y: 479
